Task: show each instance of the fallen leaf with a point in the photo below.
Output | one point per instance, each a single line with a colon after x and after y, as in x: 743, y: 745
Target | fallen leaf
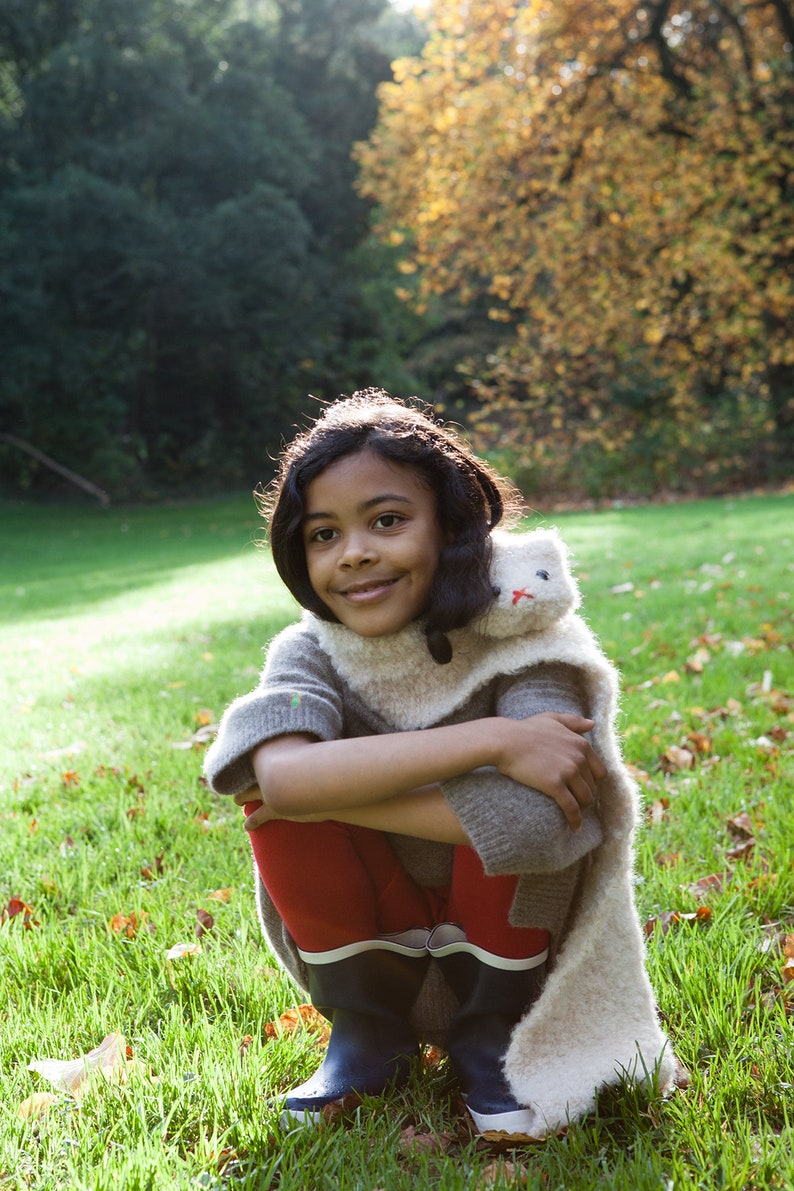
x: 741, y: 851
x: 432, y: 1056
x: 200, y: 737
x: 109, y: 1060
x: 676, y: 759
x: 412, y: 1141
x: 501, y: 1172
x: 127, y: 925
x: 701, y: 914
x: 180, y: 950
x: 658, y: 810
x: 36, y: 1105
x: 742, y: 825
x: 714, y: 883
x: 204, y: 923
x: 151, y: 871
x: 695, y: 663
x: 667, y: 859
x: 301, y: 1017
x: 340, y: 1108
x: 17, y: 907
x: 220, y: 895
x: 71, y: 778
x: 700, y: 742
x: 667, y: 918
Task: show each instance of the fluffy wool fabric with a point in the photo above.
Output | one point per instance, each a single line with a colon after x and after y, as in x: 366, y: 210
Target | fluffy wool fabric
x: 595, y: 1022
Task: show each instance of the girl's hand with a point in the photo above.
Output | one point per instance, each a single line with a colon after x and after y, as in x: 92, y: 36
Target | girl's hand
x: 257, y: 812
x: 549, y: 752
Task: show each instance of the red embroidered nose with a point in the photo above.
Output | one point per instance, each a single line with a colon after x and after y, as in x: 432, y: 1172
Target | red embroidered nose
x: 523, y: 592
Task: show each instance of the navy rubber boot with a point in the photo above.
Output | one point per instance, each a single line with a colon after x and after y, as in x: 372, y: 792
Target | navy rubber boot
x: 367, y: 991
x: 494, y: 994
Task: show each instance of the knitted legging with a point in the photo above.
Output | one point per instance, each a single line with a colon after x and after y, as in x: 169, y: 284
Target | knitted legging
x: 335, y: 884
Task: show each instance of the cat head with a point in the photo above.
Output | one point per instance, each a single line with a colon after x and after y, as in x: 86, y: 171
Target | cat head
x: 535, y: 586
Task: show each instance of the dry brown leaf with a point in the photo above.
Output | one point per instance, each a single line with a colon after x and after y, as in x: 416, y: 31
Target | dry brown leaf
x: 17, y: 908
x: 695, y: 663
x: 713, y: 883
x: 667, y: 859
x: 742, y: 825
x: 150, y: 872
x: 412, y: 1141
x: 667, y: 918
x: 432, y: 1056
x: 500, y: 1171
x: 127, y: 925
x: 676, y: 759
x: 340, y: 1108
x: 220, y: 895
x: 700, y: 742
x: 204, y: 923
x: 301, y: 1017
x: 657, y: 810
x: 742, y: 851
x: 36, y: 1105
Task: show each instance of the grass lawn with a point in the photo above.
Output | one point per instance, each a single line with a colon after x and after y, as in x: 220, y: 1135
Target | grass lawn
x: 124, y: 632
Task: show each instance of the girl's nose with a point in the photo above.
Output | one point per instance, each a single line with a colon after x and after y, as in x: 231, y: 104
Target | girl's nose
x: 357, y: 552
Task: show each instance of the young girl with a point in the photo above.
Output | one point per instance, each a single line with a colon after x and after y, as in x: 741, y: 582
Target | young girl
x: 440, y: 848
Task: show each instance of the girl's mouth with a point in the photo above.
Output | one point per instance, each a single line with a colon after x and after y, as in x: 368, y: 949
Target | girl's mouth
x: 368, y: 590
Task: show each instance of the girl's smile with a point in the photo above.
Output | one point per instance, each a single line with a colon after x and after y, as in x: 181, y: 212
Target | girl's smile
x: 372, y: 540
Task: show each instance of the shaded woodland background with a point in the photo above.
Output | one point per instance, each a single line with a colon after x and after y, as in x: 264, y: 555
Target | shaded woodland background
x: 567, y: 225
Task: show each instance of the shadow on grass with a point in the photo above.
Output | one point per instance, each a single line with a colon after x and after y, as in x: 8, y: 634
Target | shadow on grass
x: 54, y: 561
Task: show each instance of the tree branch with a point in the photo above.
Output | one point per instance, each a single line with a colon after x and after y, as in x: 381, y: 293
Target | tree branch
x: 71, y: 476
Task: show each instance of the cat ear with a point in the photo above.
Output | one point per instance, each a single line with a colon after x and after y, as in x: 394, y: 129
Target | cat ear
x: 532, y: 582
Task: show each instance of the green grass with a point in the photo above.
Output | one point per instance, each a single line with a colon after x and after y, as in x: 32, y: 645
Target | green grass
x: 122, y: 631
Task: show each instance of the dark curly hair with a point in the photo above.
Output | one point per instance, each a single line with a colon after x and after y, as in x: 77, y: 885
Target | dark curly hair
x: 471, y: 500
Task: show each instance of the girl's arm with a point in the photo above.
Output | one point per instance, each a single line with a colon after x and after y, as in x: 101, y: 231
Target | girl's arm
x: 424, y: 814
x: 300, y: 776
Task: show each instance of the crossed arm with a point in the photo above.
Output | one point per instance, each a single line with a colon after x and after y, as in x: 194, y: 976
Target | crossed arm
x: 391, y: 782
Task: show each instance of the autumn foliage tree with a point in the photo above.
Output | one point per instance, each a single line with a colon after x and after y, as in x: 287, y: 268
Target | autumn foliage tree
x: 616, y: 179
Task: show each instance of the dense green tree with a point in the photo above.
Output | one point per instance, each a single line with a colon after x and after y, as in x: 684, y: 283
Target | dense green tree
x: 176, y: 213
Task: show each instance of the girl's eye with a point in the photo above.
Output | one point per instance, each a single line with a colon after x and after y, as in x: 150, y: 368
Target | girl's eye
x: 388, y: 520
x: 323, y: 535
x: 542, y: 574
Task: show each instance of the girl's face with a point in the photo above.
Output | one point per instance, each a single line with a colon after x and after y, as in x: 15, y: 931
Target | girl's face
x: 372, y: 538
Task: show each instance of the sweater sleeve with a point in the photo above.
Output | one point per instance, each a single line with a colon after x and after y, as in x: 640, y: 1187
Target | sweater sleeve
x: 514, y: 828
x: 296, y: 694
